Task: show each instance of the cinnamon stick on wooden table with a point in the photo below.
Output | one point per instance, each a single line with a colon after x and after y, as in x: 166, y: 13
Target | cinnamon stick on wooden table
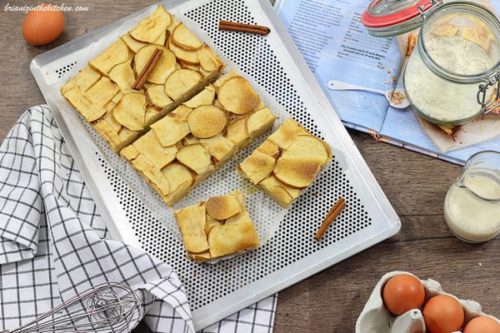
x: 330, y: 217
x: 243, y: 27
x: 147, y: 70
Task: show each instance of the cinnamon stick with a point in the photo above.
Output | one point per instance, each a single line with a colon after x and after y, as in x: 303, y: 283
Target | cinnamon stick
x: 147, y: 70
x: 412, y: 42
x: 243, y: 27
x: 330, y: 217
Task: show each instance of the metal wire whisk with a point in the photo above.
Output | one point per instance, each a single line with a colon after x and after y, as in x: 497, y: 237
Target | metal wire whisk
x: 109, y: 307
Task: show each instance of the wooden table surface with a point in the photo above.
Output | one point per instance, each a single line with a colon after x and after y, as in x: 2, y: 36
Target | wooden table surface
x: 331, y: 300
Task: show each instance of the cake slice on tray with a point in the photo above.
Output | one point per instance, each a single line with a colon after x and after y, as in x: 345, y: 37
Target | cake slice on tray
x: 286, y: 163
x: 106, y: 94
x: 199, y: 136
x: 216, y: 228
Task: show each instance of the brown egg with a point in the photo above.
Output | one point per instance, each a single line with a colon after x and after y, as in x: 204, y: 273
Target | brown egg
x: 443, y: 314
x: 482, y: 325
x: 402, y: 293
x: 43, y: 25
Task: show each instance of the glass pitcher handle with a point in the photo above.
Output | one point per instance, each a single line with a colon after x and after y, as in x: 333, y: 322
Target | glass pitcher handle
x: 488, y: 106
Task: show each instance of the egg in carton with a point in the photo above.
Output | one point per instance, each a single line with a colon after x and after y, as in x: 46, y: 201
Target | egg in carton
x: 376, y: 318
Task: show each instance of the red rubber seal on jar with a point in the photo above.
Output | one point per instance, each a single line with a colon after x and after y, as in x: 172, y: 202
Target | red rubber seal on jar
x: 374, y: 21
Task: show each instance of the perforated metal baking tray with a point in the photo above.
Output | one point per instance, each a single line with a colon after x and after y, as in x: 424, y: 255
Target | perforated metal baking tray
x: 215, y: 291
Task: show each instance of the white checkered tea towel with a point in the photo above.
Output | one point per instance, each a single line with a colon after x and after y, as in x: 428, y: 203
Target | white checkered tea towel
x: 54, y: 244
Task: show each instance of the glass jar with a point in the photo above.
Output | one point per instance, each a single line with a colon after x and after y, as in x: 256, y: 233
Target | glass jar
x: 472, y: 204
x: 458, y: 48
x: 450, y: 77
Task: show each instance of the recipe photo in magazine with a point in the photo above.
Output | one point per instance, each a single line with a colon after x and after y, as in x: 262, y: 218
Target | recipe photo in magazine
x: 359, y: 73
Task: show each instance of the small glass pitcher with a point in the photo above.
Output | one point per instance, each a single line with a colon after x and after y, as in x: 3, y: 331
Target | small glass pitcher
x: 472, y: 204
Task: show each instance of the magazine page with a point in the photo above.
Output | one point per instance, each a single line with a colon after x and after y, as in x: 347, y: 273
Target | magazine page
x: 404, y: 128
x: 342, y: 54
x: 339, y: 50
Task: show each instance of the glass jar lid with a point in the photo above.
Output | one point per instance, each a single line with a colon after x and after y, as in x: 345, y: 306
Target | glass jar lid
x: 393, y: 17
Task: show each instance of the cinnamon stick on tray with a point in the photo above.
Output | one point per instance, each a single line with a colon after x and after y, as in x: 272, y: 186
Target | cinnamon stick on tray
x: 243, y: 27
x: 330, y: 217
x: 147, y: 70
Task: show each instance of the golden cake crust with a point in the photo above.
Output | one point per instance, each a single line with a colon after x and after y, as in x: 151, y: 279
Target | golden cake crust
x: 286, y: 163
x: 198, y: 132
x: 207, y: 237
x: 103, y: 89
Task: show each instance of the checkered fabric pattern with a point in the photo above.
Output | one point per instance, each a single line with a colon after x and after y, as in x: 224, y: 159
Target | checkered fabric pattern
x: 54, y: 244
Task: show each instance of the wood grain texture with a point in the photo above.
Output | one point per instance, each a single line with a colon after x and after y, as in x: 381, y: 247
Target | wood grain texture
x: 331, y: 300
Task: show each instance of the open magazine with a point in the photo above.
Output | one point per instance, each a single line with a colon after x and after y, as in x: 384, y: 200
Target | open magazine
x: 342, y: 54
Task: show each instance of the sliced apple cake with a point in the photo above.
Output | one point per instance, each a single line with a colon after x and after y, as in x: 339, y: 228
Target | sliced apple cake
x: 216, y: 228
x: 191, y: 142
x: 104, y: 92
x: 286, y: 163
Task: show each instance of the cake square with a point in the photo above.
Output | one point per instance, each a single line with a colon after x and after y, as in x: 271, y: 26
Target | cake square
x: 218, y: 227
x: 191, y: 142
x: 286, y: 163
x: 102, y: 92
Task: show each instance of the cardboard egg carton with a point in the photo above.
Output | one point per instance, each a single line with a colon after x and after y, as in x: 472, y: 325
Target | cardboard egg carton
x: 376, y: 318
